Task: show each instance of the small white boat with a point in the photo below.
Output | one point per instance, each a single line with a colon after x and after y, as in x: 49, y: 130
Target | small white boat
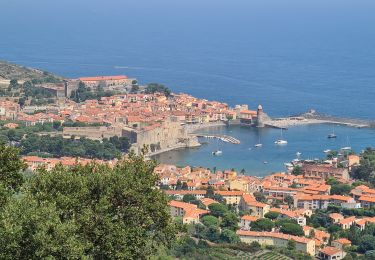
x: 298, y: 154
x: 259, y: 144
x: 346, y: 148
x: 265, y: 162
x: 332, y: 135
x: 288, y: 165
x: 281, y: 142
x: 327, y: 151
x: 217, y: 152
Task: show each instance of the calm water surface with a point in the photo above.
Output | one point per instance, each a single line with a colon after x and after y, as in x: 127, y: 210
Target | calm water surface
x: 310, y: 140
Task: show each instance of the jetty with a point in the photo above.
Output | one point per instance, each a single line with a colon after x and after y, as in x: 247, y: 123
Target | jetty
x: 313, y: 117
x: 224, y: 138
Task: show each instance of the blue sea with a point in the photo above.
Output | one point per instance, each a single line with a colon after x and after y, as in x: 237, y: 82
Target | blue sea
x: 289, y: 56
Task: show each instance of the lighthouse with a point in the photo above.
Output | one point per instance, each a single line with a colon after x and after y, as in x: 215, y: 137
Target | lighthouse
x: 261, y: 117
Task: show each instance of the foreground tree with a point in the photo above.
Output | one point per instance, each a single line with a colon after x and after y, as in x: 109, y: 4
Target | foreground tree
x: 11, y: 167
x: 89, y: 211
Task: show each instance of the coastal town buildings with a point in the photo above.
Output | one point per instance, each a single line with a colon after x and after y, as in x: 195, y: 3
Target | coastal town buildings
x: 331, y: 253
x: 9, y: 110
x: 246, y: 221
x: 119, y: 80
x: 277, y: 239
x: 319, y: 172
x: 190, y: 213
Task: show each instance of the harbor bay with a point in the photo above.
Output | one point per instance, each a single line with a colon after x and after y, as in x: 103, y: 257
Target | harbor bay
x: 309, y: 140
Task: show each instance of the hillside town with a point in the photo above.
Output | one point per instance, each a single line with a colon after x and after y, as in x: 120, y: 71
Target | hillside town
x: 286, y: 197
x: 146, y: 116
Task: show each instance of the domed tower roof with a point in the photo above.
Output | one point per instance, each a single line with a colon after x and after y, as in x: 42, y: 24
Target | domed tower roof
x: 260, y: 107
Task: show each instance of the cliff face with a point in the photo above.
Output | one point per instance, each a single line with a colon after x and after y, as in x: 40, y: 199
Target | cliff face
x: 10, y: 71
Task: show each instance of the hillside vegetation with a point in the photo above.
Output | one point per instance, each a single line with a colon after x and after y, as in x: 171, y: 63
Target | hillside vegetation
x: 9, y: 71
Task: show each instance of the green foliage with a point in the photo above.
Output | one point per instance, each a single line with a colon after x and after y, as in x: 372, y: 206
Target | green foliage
x: 217, y: 209
x: 89, y: 212
x: 332, y: 181
x: 229, y: 236
x: 260, y: 197
x: 38, y: 232
x: 229, y: 221
x: 282, y: 221
x: 11, y: 166
x: 370, y: 254
x: 185, y: 246
x: 84, y: 93
x: 291, y: 244
x: 254, y: 247
x: 155, y: 87
x: 134, y: 89
x: 297, y: 170
x: 262, y: 224
x: 334, y: 229
x: 366, y: 168
x: 334, y: 208
x: 359, y: 212
x: 341, y: 189
x: 210, y: 221
x: 15, y: 135
x: 188, y: 198
x: 272, y: 215
x: 319, y: 219
x: 289, y: 199
x: 292, y: 229
x: 367, y: 243
x: 31, y: 91
x: 59, y: 146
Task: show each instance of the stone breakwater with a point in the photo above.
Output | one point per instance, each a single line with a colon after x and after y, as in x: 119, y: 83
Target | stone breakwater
x: 313, y: 117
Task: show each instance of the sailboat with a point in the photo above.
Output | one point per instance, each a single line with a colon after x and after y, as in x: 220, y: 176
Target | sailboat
x: 218, y: 151
x: 259, y: 144
x: 281, y: 141
x: 347, y: 148
x: 332, y: 135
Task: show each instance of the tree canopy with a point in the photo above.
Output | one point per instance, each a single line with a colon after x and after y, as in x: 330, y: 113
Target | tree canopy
x: 271, y: 215
x: 262, y: 224
x: 10, y: 168
x: 292, y: 229
x: 155, y: 87
x: 217, y: 209
x: 90, y: 212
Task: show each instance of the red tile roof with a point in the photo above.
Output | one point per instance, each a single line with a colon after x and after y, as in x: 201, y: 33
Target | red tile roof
x: 329, y: 250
